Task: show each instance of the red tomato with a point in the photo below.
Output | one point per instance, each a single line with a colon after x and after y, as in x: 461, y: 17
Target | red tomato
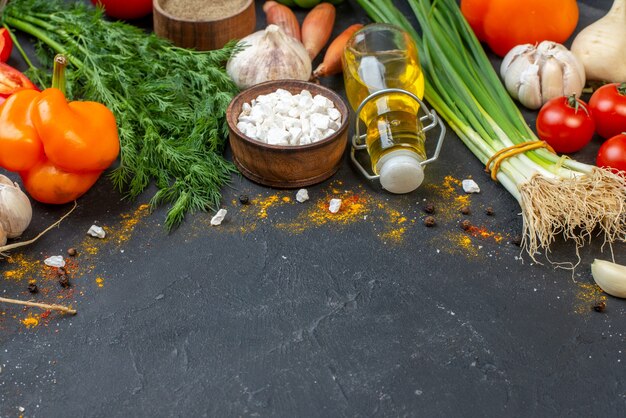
x: 608, y: 108
x: 126, y: 9
x: 12, y: 80
x: 6, y: 45
x: 566, y: 124
x: 613, y: 153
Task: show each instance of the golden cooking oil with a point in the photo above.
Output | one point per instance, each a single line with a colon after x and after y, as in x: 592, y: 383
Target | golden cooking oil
x: 372, y: 64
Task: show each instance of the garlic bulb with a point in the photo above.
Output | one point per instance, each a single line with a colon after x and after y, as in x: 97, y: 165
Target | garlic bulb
x: 601, y: 45
x: 15, y: 210
x: 269, y: 54
x: 535, y: 74
x: 610, y: 277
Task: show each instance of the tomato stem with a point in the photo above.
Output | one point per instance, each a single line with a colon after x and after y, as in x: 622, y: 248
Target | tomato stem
x: 58, y: 72
x: 576, y: 104
x: 621, y: 89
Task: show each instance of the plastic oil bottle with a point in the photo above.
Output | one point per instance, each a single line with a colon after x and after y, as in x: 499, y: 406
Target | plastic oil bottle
x: 378, y: 57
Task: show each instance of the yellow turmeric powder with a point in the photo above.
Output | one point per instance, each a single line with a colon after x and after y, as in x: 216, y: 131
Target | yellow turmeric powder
x: 30, y: 321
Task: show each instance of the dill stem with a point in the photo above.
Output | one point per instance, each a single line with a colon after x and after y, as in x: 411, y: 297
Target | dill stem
x: 19, y: 47
x: 41, y: 34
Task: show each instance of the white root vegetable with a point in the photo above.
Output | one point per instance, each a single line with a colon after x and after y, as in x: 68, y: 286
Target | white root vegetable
x: 269, y: 54
x: 15, y: 210
x: 601, y: 46
x: 611, y: 277
x: 535, y: 74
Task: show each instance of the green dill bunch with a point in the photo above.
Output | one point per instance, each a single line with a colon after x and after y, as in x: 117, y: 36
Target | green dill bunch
x: 170, y: 102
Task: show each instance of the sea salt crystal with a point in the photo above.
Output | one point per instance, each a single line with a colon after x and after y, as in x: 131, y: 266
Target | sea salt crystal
x: 320, y: 121
x: 219, y: 217
x: 470, y: 186
x: 281, y: 118
x: 278, y: 136
x: 334, y: 114
x: 96, y: 231
x: 334, y: 205
x: 55, y: 261
x: 302, y: 195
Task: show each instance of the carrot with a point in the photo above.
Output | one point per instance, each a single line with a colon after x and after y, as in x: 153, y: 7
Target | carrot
x: 282, y: 16
x: 332, y: 59
x: 317, y: 28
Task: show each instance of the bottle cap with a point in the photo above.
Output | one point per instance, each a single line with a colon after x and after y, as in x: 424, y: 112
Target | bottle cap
x: 400, y: 171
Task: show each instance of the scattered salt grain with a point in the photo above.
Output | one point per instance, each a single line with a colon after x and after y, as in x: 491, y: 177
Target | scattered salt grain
x: 334, y: 205
x: 470, y: 186
x: 302, y: 195
x: 219, y: 217
x: 96, y: 231
x: 55, y: 261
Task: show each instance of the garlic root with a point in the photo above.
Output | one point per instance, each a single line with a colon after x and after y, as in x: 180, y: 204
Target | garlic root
x: 611, y: 277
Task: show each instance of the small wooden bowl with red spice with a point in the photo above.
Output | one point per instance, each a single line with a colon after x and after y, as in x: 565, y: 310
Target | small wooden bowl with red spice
x: 287, y: 166
x: 201, y: 24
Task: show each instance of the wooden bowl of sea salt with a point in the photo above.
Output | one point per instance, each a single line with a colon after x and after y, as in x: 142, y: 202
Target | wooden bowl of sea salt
x: 283, y: 151
x: 203, y: 24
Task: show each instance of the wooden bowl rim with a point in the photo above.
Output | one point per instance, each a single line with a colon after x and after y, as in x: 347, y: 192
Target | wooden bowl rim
x: 328, y: 93
x: 157, y: 6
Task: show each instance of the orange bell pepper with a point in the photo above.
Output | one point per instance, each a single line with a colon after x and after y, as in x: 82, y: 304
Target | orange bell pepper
x: 59, y: 149
x: 20, y: 146
x: 503, y: 24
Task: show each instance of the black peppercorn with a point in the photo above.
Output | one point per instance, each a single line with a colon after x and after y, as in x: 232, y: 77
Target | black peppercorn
x: 465, y: 210
x: 489, y: 211
x: 32, y: 288
x: 466, y: 225
x: 64, y: 281
x: 72, y: 252
x: 429, y: 208
x: 429, y: 221
x: 244, y: 199
x: 517, y: 240
x: 600, y: 306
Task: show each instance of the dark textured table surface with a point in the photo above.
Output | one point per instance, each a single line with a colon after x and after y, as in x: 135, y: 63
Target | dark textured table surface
x: 286, y: 311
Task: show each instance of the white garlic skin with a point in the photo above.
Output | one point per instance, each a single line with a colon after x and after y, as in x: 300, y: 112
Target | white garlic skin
x: 269, y: 54
x: 611, y: 277
x: 15, y: 209
x: 535, y: 74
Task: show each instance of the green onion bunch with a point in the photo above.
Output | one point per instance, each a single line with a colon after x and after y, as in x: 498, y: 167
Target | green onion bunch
x: 557, y: 195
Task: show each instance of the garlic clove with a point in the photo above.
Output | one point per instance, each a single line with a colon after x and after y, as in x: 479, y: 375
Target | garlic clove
x: 3, y: 236
x: 513, y: 55
x: 5, y: 180
x: 530, y: 87
x: 572, y: 82
x: 513, y: 78
x: 551, y: 80
x: 611, y: 277
x: 573, y: 72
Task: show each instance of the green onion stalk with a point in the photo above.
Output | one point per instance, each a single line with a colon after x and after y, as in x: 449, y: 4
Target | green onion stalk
x: 169, y: 102
x: 557, y: 195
